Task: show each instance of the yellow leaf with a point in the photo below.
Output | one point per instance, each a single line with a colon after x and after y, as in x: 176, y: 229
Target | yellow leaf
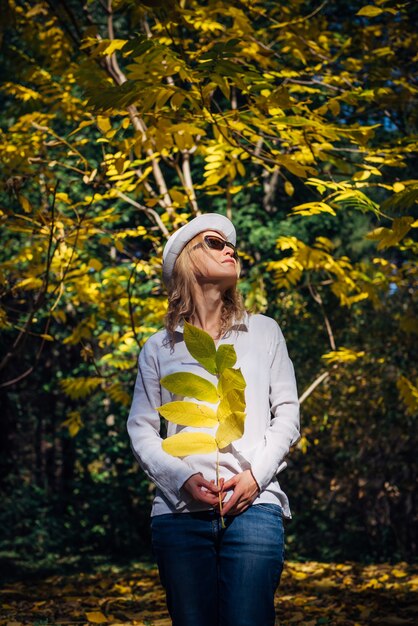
x: 73, y: 422
x: 362, y: 175
x: 233, y: 401
x: 80, y: 387
x: 63, y: 197
x: 225, y: 357
x: 103, y: 123
x: 224, y: 409
x: 201, y: 346
x: 369, y: 11
x: 178, y: 197
x: 26, y: 205
x: 96, y: 617
x: 397, y: 187
x: 289, y: 189
x: 231, y: 379
x: 230, y: 429
x: 177, y: 100
x: 343, y: 355
x: 187, y: 443
x: 334, y: 106
x: 293, y: 166
x: 109, y: 47
x: 95, y: 264
x: 189, y: 414
x: 118, y: 245
x: 47, y: 337
x: 190, y: 385
x: 313, y: 208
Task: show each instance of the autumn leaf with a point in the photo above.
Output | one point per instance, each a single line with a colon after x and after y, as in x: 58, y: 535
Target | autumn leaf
x: 96, y: 617
x: 188, y: 414
x: 187, y: 443
x: 225, y: 357
x: 190, y: 385
x: 230, y: 429
x: 201, y: 346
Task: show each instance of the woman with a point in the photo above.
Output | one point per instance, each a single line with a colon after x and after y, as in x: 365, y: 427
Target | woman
x: 215, y: 575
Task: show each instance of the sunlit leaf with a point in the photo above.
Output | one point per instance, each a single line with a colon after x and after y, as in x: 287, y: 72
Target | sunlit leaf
x: 187, y: 443
x: 369, y: 11
x: 96, y: 617
x: 231, y: 379
x: 201, y: 346
x: 188, y: 414
x: 190, y: 385
x: 230, y: 429
x: 225, y: 357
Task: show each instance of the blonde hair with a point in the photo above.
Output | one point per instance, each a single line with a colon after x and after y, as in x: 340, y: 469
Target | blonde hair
x: 181, y: 305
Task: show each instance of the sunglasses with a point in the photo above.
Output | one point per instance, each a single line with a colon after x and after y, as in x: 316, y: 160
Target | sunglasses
x: 216, y: 243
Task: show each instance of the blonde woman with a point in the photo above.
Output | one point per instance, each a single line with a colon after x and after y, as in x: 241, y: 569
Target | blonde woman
x: 215, y: 575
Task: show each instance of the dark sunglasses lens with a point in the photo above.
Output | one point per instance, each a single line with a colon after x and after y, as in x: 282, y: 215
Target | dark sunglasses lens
x: 215, y: 243
x: 219, y: 244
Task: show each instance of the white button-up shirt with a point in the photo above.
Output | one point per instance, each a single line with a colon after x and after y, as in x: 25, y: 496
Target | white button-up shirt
x: 271, y: 423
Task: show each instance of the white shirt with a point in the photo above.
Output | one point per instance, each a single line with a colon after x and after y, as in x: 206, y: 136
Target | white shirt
x: 271, y: 423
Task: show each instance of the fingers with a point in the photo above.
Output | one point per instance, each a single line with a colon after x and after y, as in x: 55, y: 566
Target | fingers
x: 245, y: 490
x: 210, y: 486
x: 231, y: 502
x: 205, y: 491
x: 229, y: 484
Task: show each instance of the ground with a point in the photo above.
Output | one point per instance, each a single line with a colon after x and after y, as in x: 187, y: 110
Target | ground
x: 312, y: 593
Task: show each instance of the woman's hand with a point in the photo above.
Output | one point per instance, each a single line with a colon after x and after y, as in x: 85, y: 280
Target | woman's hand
x: 202, y: 490
x: 245, y: 490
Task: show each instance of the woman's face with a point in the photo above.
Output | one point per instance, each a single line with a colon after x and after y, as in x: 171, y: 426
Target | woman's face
x: 214, y: 266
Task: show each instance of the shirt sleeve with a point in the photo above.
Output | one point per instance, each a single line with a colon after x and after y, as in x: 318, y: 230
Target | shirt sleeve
x: 169, y: 473
x: 283, y: 431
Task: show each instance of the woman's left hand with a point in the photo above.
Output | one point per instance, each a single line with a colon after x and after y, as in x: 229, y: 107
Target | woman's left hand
x: 245, y: 490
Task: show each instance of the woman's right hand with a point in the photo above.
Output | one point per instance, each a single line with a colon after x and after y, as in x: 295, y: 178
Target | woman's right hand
x: 202, y: 490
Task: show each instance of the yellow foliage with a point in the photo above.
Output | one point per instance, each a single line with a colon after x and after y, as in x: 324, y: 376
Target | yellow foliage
x: 409, y: 394
x: 188, y: 414
x: 190, y: 385
x: 73, y: 422
x: 388, y: 237
x: 343, y: 355
x: 186, y: 443
x: 231, y: 428
x: 80, y: 387
x: 116, y: 392
x: 201, y: 346
x: 225, y: 357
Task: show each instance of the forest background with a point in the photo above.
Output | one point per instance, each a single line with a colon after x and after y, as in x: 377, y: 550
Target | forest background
x: 120, y: 121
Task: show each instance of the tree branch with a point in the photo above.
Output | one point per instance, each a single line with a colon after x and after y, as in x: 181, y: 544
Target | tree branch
x: 313, y: 386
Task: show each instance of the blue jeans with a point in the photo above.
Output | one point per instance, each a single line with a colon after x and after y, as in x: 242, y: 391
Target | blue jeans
x: 216, y: 576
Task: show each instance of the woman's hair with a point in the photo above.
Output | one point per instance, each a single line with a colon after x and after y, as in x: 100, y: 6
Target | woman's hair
x: 181, y: 304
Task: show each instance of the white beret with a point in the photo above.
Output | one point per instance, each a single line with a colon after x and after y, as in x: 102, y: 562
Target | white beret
x: 182, y: 236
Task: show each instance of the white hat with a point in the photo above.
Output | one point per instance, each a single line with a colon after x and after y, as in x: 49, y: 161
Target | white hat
x: 182, y: 236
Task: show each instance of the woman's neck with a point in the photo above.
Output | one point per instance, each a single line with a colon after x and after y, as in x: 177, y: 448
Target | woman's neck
x: 208, y: 309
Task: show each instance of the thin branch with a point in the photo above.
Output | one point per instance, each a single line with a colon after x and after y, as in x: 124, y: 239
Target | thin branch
x: 130, y: 306
x: 188, y: 181
x: 39, y: 298
x: 313, y: 386
x: 317, y: 297
x: 147, y: 210
x: 113, y: 68
x: 29, y: 371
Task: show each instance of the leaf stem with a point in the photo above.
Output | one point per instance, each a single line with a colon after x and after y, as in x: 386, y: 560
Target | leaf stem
x: 219, y: 495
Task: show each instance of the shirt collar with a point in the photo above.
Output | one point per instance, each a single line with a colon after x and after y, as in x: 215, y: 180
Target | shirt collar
x: 237, y: 324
